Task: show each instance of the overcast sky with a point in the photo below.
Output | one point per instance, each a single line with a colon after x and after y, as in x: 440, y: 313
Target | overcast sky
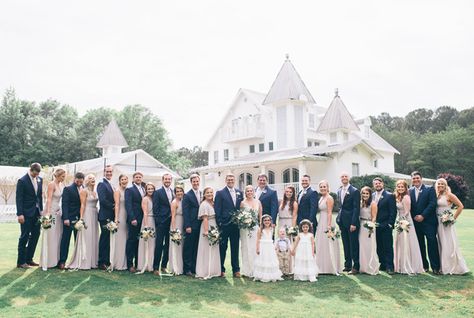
x: 186, y: 60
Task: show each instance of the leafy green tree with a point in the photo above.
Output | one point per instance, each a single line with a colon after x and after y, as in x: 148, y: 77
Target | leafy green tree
x: 366, y: 180
x: 443, y: 117
x: 419, y: 120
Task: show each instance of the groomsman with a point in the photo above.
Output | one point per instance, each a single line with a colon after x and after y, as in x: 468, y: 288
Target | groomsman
x: 192, y: 225
x: 29, y: 205
x: 227, y: 201
x: 105, y: 193
x: 133, y: 206
x: 71, y: 206
x: 348, y: 221
x: 307, y: 202
x: 268, y: 197
x: 386, y: 214
x: 423, y: 212
x: 162, y: 199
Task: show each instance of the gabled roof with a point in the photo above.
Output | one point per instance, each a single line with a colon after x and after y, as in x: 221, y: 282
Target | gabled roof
x: 287, y: 85
x: 337, y: 117
x: 112, y: 136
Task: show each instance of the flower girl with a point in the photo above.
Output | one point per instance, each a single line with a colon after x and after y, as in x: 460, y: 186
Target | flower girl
x: 266, y: 266
x: 303, y: 250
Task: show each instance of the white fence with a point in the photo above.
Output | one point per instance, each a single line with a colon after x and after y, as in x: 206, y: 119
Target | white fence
x: 8, y: 213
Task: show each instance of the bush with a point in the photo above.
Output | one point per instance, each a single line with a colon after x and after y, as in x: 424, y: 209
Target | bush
x: 458, y: 186
x: 362, y: 181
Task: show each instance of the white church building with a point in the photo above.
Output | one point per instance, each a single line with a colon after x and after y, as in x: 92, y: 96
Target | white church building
x: 285, y: 135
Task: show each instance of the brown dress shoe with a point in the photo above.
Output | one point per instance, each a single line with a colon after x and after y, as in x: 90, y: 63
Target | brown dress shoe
x: 24, y: 266
x: 32, y: 263
x: 156, y: 272
x: 103, y: 267
x: 237, y: 275
x: 222, y: 274
x: 353, y: 272
x: 132, y: 270
x: 61, y: 266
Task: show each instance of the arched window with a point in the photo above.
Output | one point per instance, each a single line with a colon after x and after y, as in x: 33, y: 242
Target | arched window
x: 291, y: 175
x: 245, y: 179
x: 271, y: 177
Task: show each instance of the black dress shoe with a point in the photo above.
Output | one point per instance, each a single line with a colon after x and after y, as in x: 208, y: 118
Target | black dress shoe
x: 103, y: 267
x: 32, y: 263
x: 390, y: 271
x: 347, y: 269
x: 24, y: 266
x: 437, y: 272
x: 189, y: 274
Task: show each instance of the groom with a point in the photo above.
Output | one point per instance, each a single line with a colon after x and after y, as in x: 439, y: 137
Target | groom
x: 423, y: 212
x: 227, y: 201
x: 348, y: 221
x: 29, y: 205
x: 191, y: 201
x: 307, y: 203
x: 268, y: 198
x: 106, y: 214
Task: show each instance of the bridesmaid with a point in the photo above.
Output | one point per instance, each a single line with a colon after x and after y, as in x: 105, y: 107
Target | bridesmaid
x: 248, y: 238
x: 51, y: 245
x: 208, y: 262
x: 452, y: 262
x: 146, y: 249
x: 288, y: 209
x: 407, y: 254
x: 176, y: 251
x: 327, y: 250
x: 120, y: 258
x: 368, y: 258
x: 86, y: 249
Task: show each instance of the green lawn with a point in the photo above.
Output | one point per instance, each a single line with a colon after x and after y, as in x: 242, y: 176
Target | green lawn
x: 34, y: 293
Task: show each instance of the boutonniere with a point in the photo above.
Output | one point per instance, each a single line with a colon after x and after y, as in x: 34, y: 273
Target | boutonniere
x: 237, y: 193
x: 381, y: 197
x: 264, y: 191
x: 347, y: 193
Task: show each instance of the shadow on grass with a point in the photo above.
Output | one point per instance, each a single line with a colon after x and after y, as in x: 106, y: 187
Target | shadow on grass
x: 115, y: 289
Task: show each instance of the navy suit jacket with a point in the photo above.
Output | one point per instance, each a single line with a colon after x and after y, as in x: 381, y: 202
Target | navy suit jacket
x: 349, y: 211
x: 133, y: 204
x: 386, y: 209
x: 28, y: 202
x: 224, y: 206
x: 71, y: 203
x: 190, y: 211
x: 426, y: 204
x: 161, y: 206
x: 106, y: 201
x: 308, y: 206
x: 269, y: 201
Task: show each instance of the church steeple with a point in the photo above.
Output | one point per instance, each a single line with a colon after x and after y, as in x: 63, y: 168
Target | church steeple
x: 112, y: 140
x: 337, y: 117
x: 288, y: 85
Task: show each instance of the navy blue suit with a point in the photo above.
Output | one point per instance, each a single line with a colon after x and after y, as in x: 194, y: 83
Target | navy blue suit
x: 269, y: 201
x: 307, y: 207
x: 105, y: 193
x: 29, y: 203
x: 349, y: 215
x: 133, y: 206
x: 225, y: 208
x: 162, y: 214
x: 386, y: 214
x: 71, y: 206
x: 426, y: 206
x: 190, y: 220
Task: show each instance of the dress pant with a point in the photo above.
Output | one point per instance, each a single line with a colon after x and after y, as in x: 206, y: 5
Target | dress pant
x: 350, y: 242
x: 429, y: 231
x: 230, y: 232
x: 104, y: 244
x: 132, y: 244
x: 162, y: 244
x: 29, y: 235
x: 65, y: 240
x: 190, y: 249
x: 384, y: 238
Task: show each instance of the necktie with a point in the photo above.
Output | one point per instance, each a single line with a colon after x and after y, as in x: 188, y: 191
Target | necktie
x: 343, y: 194
x: 35, y: 185
x: 302, y: 193
x: 232, y: 193
x: 142, y: 192
x: 198, y: 195
x: 168, y: 193
x: 417, y: 193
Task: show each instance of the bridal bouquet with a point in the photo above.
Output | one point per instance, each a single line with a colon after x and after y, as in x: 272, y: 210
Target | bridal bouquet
x: 447, y: 217
x: 147, y: 233
x: 245, y: 218
x: 46, y: 221
x: 176, y: 237
x: 292, y: 231
x: 402, y: 225
x: 332, y: 233
x: 80, y: 225
x: 370, y: 226
x: 213, y: 236
x: 111, y: 226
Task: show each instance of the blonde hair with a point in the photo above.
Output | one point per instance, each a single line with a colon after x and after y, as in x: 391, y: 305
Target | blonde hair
x: 59, y: 172
x: 443, y: 181
x: 88, y: 179
x: 399, y: 196
x: 325, y: 182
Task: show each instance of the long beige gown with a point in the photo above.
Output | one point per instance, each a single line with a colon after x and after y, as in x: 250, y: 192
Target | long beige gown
x: 86, y: 248
x: 176, y: 251
x: 285, y: 217
x: 51, y: 239
x: 248, y: 246
x: 208, y: 262
x: 452, y: 261
x: 144, y: 257
x: 368, y: 258
x: 120, y: 257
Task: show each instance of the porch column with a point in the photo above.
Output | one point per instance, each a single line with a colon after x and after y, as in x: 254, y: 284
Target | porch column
x: 302, y: 168
x: 263, y: 169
